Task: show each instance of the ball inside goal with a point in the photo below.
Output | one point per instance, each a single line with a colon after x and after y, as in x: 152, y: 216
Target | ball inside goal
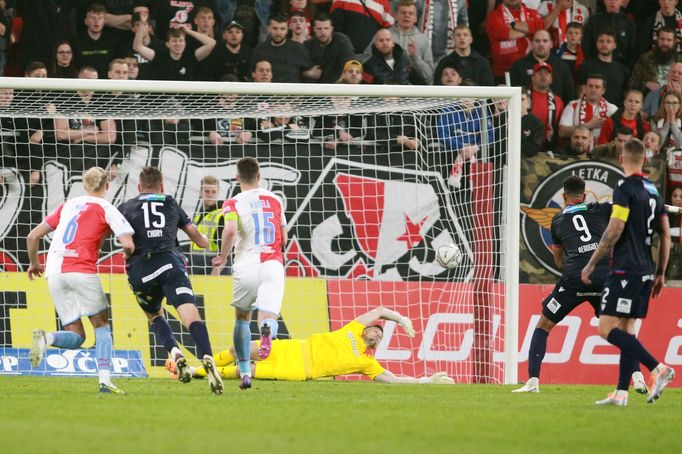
x: 449, y: 256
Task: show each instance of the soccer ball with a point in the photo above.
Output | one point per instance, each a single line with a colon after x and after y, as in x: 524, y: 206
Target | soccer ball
x: 449, y: 256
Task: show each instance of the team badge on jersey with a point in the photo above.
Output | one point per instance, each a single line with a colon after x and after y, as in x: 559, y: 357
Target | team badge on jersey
x: 547, y: 200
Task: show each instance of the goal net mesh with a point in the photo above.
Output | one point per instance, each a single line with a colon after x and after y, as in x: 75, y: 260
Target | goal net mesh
x: 372, y: 187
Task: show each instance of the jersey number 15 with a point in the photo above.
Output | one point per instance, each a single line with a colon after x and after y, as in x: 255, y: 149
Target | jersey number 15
x: 264, y: 227
x: 151, y: 210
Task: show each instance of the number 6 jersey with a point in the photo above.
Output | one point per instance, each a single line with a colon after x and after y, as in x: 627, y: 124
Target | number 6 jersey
x: 260, y: 217
x: 79, y: 226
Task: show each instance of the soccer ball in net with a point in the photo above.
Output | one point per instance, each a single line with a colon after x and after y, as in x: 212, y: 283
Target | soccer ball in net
x: 449, y: 256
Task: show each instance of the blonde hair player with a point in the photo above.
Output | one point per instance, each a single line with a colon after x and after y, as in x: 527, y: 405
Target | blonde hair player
x: 79, y: 224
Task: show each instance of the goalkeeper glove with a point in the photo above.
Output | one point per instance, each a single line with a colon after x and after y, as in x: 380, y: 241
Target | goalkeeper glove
x: 406, y: 324
x: 439, y: 378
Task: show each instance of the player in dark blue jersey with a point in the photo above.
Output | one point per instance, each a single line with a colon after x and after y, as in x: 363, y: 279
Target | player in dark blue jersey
x: 157, y: 270
x: 638, y: 211
x: 576, y: 230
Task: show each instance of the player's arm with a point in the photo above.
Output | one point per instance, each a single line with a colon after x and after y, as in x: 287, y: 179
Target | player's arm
x: 228, y: 239
x: 138, y: 45
x: 194, y: 235
x: 381, y: 313
x: 439, y: 378
x: 35, y: 269
x: 610, y: 237
x: 663, y: 254
x: 285, y: 236
x: 558, y: 254
x: 127, y: 244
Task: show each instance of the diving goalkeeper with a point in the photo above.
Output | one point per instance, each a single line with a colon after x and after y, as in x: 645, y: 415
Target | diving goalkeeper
x: 340, y: 352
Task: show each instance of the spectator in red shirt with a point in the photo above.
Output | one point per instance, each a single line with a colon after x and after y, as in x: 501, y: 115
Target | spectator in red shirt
x: 545, y: 104
x: 509, y: 27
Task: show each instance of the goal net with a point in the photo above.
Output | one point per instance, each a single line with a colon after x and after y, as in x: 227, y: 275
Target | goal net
x: 375, y: 179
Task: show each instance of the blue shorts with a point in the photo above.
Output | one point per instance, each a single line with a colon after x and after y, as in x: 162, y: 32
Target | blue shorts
x: 564, y: 298
x: 627, y: 295
x: 157, y: 276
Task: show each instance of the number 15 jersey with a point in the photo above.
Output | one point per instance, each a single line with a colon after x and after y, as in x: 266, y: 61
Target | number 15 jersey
x: 260, y: 217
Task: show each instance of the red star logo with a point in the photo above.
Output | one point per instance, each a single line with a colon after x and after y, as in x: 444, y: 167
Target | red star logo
x: 412, y: 237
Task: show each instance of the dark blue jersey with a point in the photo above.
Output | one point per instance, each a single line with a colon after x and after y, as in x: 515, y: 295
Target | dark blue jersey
x: 156, y: 219
x: 577, y: 229
x: 637, y: 202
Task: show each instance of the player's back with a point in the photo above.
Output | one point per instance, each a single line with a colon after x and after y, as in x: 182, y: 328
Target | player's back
x: 156, y: 219
x: 260, y: 217
x: 79, y: 225
x: 578, y: 229
x: 342, y: 352
x: 637, y: 202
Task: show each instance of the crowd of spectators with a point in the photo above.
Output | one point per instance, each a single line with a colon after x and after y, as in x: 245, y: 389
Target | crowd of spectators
x: 594, y: 73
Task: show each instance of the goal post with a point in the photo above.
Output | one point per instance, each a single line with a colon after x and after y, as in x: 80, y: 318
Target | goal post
x: 374, y: 179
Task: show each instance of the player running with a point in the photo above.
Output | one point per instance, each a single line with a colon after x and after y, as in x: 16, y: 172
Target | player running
x: 256, y: 227
x: 638, y: 211
x: 157, y: 270
x: 80, y: 225
x: 576, y: 230
x: 340, y: 352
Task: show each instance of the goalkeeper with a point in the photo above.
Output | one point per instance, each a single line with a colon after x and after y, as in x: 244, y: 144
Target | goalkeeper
x: 340, y: 352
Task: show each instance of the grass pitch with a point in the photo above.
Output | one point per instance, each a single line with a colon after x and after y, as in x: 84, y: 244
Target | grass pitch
x: 158, y: 415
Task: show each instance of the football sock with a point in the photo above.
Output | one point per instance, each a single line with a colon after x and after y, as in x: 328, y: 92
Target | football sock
x: 103, y: 352
x: 625, y: 369
x: 242, y: 346
x: 274, y: 326
x: 630, y: 346
x: 164, y: 334
x: 65, y: 339
x: 536, y: 353
x: 224, y: 358
x: 200, y: 336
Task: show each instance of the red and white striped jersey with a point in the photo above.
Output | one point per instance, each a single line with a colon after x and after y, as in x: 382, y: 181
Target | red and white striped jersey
x: 260, y: 217
x: 79, y: 226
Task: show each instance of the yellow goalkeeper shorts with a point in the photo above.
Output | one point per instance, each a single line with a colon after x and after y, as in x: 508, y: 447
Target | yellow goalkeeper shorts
x: 289, y: 360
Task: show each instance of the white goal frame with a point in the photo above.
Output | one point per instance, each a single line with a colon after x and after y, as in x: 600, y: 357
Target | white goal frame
x: 512, y: 184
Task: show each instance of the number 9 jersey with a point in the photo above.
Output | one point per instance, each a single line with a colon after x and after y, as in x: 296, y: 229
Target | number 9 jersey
x: 260, y: 217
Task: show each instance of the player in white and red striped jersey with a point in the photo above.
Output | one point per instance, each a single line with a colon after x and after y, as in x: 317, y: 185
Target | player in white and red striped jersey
x: 255, y: 225
x: 79, y: 226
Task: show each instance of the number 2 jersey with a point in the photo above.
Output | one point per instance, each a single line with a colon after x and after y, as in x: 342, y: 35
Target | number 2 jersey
x: 577, y: 229
x: 79, y: 226
x: 637, y: 202
x: 260, y: 217
x: 156, y: 219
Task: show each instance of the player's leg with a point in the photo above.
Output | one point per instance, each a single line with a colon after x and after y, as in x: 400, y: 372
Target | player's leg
x: 242, y: 345
x: 244, y: 287
x: 73, y: 334
x: 229, y: 356
x: 555, y: 307
x: 104, y: 352
x: 638, y: 381
x: 178, y: 290
x: 631, y: 299
x: 269, y: 303
x: 89, y: 295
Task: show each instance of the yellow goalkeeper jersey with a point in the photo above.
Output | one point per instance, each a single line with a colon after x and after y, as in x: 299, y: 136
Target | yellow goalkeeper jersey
x: 342, y: 352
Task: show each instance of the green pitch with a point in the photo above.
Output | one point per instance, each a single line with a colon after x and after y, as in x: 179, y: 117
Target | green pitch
x: 158, y: 415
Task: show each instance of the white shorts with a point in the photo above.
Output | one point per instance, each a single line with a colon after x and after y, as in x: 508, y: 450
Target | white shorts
x: 259, y: 286
x: 75, y: 295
